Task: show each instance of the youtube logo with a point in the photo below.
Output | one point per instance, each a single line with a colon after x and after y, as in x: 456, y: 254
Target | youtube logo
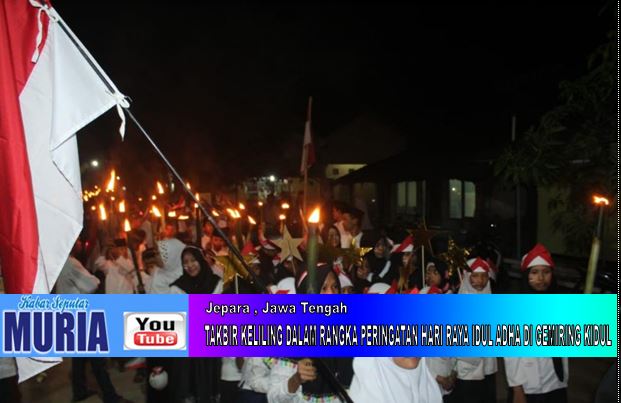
x: 155, y: 331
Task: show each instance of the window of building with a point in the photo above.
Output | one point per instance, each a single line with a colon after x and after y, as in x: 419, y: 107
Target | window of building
x: 407, y: 197
x: 462, y: 199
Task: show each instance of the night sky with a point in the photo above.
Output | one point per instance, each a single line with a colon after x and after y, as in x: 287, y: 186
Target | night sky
x: 223, y: 89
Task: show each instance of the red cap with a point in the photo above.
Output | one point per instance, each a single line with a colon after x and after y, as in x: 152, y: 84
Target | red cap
x: 538, y: 256
x: 405, y: 246
x: 478, y: 265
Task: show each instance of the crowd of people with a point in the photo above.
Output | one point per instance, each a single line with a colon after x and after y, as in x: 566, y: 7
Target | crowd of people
x: 150, y: 260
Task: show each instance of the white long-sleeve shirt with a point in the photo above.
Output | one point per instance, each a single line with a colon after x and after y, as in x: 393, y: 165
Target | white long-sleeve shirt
x: 441, y: 366
x: 475, y: 369
x: 535, y: 375
x: 75, y: 279
x: 121, y: 275
x: 381, y: 380
x: 230, y: 372
x: 256, y: 374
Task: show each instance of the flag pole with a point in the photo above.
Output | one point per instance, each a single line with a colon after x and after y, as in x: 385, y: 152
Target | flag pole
x: 305, y: 152
x: 305, y: 189
x: 255, y: 282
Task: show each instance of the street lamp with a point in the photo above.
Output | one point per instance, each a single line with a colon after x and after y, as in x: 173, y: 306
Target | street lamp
x: 595, y: 246
x: 94, y: 163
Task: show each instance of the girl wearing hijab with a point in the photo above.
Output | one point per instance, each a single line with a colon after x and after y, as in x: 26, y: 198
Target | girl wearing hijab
x: 409, y: 276
x: 187, y: 379
x: 436, y: 278
x: 476, y: 377
x: 442, y: 368
x: 297, y: 381
x: 197, y: 277
x: 170, y: 250
x: 393, y: 380
x: 376, y: 266
x: 537, y: 379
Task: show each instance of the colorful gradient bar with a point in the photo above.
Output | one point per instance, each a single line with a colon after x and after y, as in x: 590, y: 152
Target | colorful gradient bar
x: 419, y: 310
x: 205, y: 318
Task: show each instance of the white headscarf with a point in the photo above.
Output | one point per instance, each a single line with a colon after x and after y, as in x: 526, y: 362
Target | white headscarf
x: 170, y: 250
x: 467, y: 288
x: 382, y: 380
x: 470, y: 368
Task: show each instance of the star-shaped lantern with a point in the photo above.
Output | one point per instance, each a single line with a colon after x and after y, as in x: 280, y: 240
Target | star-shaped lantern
x: 455, y: 257
x: 232, y: 266
x: 289, y: 246
x: 422, y: 237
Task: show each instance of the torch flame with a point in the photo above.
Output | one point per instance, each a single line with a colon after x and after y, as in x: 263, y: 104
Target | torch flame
x: 285, y: 206
x: 172, y: 214
x: 93, y: 208
x: 600, y: 200
x: 282, y: 217
x: 251, y: 221
x: 102, y: 212
x: 160, y: 188
x: 314, y: 217
x: 187, y: 184
x: 156, y: 212
x: 183, y: 217
x: 110, y: 185
x: 260, y: 204
x: 153, y: 197
x: 126, y: 226
x: 122, y: 206
x: 241, y: 206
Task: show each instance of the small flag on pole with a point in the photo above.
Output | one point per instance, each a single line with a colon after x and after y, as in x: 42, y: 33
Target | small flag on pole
x: 308, y: 150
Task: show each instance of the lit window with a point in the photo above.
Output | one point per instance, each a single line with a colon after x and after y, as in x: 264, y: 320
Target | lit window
x: 469, y: 199
x: 462, y: 199
x: 407, y: 197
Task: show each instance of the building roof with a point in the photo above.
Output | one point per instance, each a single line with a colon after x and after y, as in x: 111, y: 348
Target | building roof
x: 413, y: 165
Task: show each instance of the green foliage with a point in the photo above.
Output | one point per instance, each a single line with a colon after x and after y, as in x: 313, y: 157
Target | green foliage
x: 574, y: 148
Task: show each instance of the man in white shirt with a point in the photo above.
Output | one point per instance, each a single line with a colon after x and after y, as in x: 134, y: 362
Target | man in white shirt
x: 352, y: 223
x: 75, y: 279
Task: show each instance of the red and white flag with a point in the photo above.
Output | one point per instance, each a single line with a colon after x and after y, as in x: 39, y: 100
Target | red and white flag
x: 308, y: 150
x: 48, y: 91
